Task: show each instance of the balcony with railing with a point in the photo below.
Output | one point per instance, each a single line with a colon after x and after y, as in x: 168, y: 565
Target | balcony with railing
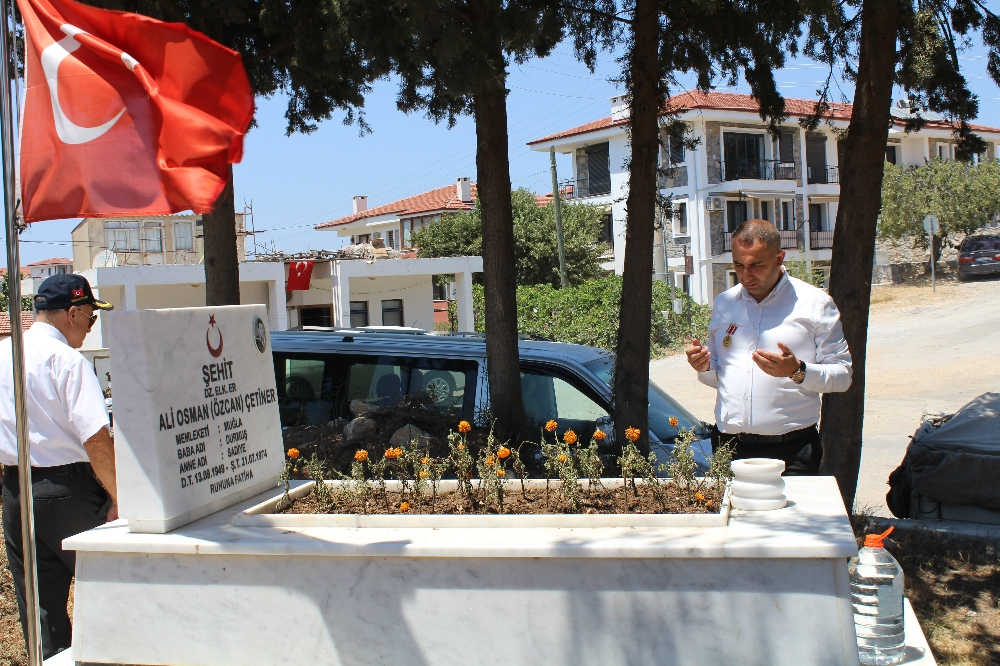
x: 820, y: 240
x: 789, y: 240
x: 823, y: 175
x: 592, y: 187
x: 756, y: 170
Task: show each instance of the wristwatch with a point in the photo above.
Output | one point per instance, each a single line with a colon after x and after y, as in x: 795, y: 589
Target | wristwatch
x: 799, y: 374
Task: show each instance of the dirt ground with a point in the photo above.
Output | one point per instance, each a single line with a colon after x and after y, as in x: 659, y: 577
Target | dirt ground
x: 928, y: 351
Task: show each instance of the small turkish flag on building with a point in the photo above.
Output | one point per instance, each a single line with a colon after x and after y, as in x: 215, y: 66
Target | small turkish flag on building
x: 124, y: 114
x: 299, y: 275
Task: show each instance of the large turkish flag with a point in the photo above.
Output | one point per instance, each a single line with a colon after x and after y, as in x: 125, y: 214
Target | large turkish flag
x: 125, y: 115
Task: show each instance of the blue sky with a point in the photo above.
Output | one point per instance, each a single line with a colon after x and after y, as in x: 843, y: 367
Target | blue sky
x: 294, y: 183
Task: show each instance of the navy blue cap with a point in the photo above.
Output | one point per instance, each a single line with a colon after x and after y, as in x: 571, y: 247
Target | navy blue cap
x: 59, y: 292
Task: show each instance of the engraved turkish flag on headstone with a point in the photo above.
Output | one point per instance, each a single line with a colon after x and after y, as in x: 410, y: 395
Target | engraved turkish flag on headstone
x: 124, y: 114
x: 299, y: 275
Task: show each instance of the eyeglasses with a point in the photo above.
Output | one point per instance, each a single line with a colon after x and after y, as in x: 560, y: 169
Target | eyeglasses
x: 90, y: 322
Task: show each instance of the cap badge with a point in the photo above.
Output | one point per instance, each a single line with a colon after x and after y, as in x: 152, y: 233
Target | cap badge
x: 78, y: 293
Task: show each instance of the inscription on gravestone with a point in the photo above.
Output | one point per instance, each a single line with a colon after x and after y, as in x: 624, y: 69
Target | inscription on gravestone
x: 196, y: 415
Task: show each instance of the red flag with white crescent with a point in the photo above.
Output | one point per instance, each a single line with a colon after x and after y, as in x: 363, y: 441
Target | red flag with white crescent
x: 299, y: 276
x: 124, y: 114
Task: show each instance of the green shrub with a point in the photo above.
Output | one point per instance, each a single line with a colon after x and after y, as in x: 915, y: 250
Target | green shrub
x: 587, y: 314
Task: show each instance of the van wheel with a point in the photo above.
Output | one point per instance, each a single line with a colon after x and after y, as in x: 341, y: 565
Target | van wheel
x: 440, y: 386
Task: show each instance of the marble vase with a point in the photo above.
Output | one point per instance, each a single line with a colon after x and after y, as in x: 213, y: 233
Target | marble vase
x: 757, y: 484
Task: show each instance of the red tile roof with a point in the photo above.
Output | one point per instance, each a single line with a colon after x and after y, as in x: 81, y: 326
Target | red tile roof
x: 736, y: 102
x: 545, y: 199
x: 441, y: 199
x: 52, y: 262
x: 27, y: 319
x: 24, y: 273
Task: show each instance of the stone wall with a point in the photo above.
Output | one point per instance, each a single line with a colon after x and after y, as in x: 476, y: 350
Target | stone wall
x: 716, y: 225
x: 719, y: 284
x: 678, y: 178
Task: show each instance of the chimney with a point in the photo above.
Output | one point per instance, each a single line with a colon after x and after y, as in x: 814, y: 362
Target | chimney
x: 619, y: 108
x: 360, y: 204
x: 463, y: 189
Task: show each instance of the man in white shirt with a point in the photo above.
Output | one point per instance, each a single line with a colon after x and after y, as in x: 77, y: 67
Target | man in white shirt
x: 774, y: 345
x: 72, y: 455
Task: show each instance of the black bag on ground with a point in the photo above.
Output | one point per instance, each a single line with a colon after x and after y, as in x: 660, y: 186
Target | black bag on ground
x: 952, y: 460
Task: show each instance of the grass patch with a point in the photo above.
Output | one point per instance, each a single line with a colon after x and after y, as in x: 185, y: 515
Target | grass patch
x: 953, y: 584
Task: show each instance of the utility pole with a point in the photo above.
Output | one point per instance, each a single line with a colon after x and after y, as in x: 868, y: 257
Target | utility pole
x: 563, y: 277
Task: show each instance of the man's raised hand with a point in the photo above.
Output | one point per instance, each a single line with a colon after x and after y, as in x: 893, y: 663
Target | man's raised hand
x: 698, y: 356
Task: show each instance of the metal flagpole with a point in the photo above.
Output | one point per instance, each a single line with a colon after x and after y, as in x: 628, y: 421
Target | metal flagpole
x: 33, y: 640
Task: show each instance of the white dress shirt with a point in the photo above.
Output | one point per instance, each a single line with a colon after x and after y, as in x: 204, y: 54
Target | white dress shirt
x: 800, y: 316
x: 64, y: 401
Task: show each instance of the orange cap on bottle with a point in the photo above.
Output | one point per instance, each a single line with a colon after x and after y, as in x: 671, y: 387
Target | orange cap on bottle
x: 875, y: 540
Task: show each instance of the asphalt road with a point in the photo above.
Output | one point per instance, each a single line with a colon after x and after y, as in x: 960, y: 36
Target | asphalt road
x: 927, y: 352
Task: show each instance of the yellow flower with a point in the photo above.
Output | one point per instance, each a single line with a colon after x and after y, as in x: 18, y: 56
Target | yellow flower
x: 599, y: 434
x: 674, y: 421
x: 563, y: 458
x: 405, y: 506
x: 361, y: 455
x: 569, y: 437
x: 500, y: 472
x: 700, y: 496
x: 503, y: 452
x: 293, y: 453
x: 463, y: 426
x: 551, y: 425
x: 632, y: 433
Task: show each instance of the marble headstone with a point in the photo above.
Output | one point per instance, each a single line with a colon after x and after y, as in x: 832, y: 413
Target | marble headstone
x: 196, y: 412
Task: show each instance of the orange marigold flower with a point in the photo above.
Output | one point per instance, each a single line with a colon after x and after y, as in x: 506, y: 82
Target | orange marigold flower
x: 599, y: 434
x: 563, y: 458
x: 361, y: 455
x: 424, y: 461
x: 700, y: 496
x: 293, y: 453
x: 424, y: 475
x: 708, y: 503
x: 674, y: 421
x: 490, y: 460
x: 632, y: 433
x: 405, y: 506
x: 551, y: 425
x: 570, y: 437
x: 391, y: 453
x: 459, y: 447
x: 500, y: 472
x: 463, y: 426
x: 503, y: 452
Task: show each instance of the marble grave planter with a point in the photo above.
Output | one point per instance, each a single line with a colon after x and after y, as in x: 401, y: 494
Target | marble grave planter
x: 232, y: 589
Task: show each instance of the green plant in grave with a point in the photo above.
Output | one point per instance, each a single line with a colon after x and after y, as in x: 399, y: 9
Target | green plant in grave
x: 589, y: 460
x: 492, y: 471
x: 316, y: 471
x: 461, y: 460
x: 566, y: 468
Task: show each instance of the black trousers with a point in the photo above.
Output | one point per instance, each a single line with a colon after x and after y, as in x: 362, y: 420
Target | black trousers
x: 65, y: 504
x: 802, y: 453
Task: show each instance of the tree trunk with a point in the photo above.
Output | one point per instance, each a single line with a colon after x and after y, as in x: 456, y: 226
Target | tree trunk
x: 854, y: 242
x: 632, y: 362
x: 222, y: 262
x: 499, y: 276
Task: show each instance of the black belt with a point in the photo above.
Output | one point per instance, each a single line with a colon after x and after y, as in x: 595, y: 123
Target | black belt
x: 58, y: 470
x: 749, y: 438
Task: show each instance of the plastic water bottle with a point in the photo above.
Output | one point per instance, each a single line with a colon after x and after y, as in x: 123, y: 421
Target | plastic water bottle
x: 877, y: 596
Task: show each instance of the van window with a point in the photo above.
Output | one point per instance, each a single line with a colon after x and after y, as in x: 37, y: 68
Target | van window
x: 315, y: 388
x: 549, y: 396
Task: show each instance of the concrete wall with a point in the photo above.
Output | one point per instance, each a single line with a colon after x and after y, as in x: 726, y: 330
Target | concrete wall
x: 416, y: 293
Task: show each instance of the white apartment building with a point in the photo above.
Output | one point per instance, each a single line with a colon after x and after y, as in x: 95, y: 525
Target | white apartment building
x: 149, y: 240
x: 736, y: 172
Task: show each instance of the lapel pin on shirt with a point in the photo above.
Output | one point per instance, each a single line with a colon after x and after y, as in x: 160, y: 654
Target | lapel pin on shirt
x: 728, y: 340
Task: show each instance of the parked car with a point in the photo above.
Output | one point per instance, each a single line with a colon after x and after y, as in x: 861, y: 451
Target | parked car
x: 978, y: 255
x: 320, y: 371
